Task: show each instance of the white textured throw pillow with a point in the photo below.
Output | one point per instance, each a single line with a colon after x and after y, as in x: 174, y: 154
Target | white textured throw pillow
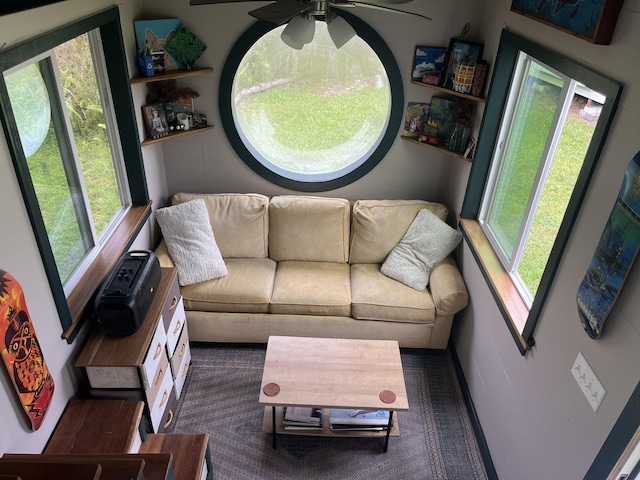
x: 190, y: 241
x: 427, y: 242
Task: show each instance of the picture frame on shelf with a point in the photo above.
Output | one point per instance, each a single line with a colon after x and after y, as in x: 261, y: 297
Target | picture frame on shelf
x: 416, y: 118
x: 428, y: 61
x: 460, y: 52
x: 154, y: 35
x: 471, y: 144
x: 155, y: 120
x: 593, y: 21
x: 185, y: 47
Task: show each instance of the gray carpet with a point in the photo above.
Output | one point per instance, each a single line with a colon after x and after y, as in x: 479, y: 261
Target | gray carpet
x: 220, y: 397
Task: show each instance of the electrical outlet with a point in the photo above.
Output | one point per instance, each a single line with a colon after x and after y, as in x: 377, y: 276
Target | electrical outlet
x: 588, y: 382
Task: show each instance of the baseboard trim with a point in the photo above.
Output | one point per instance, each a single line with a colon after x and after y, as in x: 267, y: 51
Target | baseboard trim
x: 475, y: 421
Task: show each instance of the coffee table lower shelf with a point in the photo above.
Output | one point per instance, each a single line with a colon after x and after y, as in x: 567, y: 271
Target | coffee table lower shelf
x: 326, y: 431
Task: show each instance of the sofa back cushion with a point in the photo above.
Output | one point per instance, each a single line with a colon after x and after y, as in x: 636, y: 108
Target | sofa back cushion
x: 378, y: 226
x: 306, y: 228
x: 240, y: 222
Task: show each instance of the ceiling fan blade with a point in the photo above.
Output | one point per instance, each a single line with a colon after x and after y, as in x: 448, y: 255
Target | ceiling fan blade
x: 377, y: 6
x: 215, y: 2
x: 282, y: 11
x: 375, y: 2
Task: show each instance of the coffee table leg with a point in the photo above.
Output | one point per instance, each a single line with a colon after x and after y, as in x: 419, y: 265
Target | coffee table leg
x: 273, y: 425
x: 386, y: 438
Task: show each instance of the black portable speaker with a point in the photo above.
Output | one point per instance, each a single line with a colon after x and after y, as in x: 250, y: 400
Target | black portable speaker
x: 125, y: 296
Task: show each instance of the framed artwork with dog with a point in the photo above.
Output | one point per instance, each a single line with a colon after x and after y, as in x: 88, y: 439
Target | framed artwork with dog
x: 152, y: 36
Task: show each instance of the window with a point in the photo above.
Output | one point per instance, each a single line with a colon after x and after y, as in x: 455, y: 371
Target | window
x: 545, y: 123
x: 80, y: 174
x: 311, y: 119
x: 70, y: 159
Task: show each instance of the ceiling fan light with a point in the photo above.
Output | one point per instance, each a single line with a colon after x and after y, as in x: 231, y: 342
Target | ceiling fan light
x: 299, y: 31
x: 339, y: 30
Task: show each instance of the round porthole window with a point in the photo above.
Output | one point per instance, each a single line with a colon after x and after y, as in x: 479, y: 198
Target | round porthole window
x: 315, y: 118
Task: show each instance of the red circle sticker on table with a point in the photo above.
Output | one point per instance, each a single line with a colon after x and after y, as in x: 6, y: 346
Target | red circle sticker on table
x: 387, y: 396
x: 271, y: 389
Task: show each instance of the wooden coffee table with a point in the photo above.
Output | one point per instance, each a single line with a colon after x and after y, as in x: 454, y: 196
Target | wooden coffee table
x: 332, y: 373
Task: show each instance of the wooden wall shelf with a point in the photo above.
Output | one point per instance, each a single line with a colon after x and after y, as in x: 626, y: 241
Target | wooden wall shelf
x: 436, y: 147
x: 448, y: 91
x: 170, y: 75
x: 173, y: 135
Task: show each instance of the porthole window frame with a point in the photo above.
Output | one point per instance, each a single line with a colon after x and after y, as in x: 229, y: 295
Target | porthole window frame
x: 396, y: 116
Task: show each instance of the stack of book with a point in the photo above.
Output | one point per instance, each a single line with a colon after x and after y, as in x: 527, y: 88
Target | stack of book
x: 302, y: 418
x: 354, y: 419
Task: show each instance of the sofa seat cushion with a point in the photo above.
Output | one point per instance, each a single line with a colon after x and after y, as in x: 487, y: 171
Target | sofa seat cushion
x: 311, y: 288
x: 375, y: 296
x: 246, y: 288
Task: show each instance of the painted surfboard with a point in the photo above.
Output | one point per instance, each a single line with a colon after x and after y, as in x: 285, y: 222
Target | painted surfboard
x: 614, y: 256
x: 21, y: 352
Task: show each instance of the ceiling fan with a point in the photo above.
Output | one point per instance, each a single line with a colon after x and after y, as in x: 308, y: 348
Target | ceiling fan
x: 301, y: 15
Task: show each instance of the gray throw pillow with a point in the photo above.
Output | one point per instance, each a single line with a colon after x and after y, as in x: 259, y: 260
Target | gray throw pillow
x: 190, y: 241
x: 427, y: 242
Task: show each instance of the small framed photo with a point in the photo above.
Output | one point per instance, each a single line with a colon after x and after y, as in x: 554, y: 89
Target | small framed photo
x: 155, y: 120
x: 460, y: 52
x: 468, y: 152
x: 428, y: 61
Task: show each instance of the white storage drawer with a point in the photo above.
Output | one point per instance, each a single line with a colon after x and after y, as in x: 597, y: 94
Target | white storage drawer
x: 164, y: 370
x: 162, y: 399
x: 154, y: 356
x: 175, y: 327
x: 181, y: 375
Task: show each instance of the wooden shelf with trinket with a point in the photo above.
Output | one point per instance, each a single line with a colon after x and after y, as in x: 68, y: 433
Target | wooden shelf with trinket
x: 172, y: 75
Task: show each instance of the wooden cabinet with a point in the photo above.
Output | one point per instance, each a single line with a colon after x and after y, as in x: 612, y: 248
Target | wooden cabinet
x: 98, y: 426
x: 449, y: 92
x: 102, y: 439
x: 149, y: 365
x: 172, y: 75
x: 191, y: 457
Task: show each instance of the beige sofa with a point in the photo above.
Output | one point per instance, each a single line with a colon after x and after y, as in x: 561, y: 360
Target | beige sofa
x: 310, y: 266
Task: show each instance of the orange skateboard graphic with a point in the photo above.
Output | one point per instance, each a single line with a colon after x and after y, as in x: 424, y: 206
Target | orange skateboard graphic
x: 21, y: 352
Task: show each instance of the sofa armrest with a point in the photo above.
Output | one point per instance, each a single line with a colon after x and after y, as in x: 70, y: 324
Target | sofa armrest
x: 162, y: 252
x: 448, y: 289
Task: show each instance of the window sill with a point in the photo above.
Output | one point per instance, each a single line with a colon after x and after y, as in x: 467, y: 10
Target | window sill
x: 510, y: 303
x: 80, y: 300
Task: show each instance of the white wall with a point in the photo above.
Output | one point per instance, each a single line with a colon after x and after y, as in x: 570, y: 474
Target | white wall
x: 536, y: 420
x: 206, y: 162
x: 19, y: 254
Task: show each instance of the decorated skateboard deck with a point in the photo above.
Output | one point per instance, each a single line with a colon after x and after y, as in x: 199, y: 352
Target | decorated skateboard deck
x: 21, y: 352
x: 614, y: 255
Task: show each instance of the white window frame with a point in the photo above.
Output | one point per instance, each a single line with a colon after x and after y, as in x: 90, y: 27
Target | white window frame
x: 511, y: 262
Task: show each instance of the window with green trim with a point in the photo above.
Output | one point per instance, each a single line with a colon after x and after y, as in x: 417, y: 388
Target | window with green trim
x: 64, y: 114
x: 315, y: 118
x: 545, y: 123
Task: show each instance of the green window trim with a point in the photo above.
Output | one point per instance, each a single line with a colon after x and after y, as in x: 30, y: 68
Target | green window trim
x: 72, y: 312
x: 510, y: 46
